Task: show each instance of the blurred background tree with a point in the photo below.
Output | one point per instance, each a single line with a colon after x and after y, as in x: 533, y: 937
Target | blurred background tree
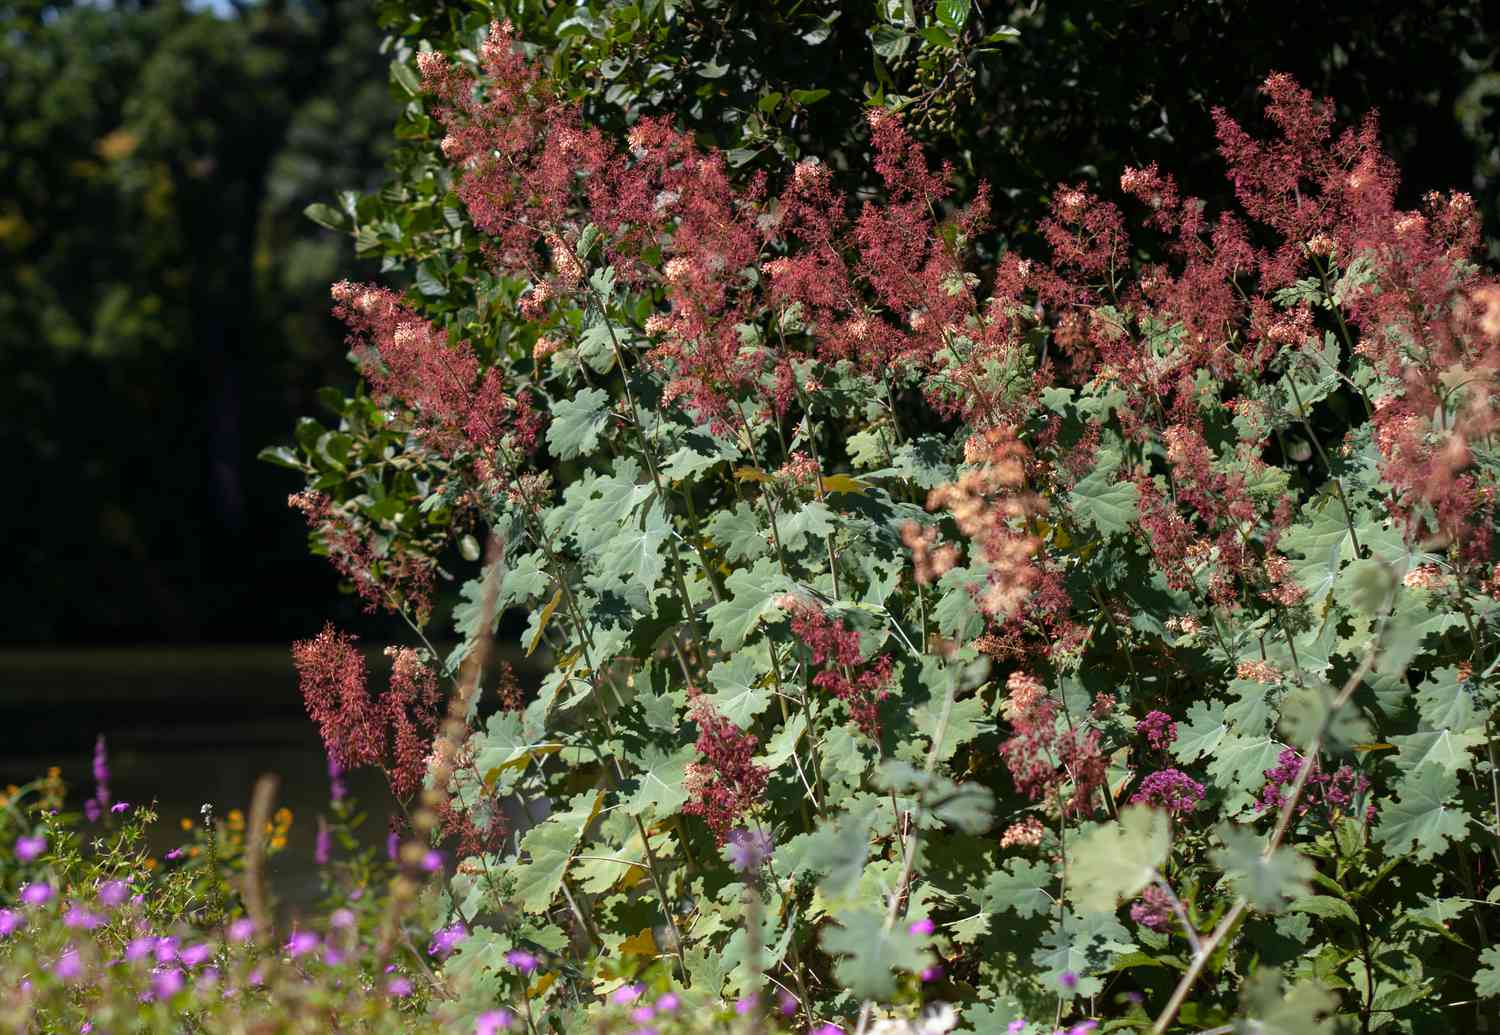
x: 163, y: 303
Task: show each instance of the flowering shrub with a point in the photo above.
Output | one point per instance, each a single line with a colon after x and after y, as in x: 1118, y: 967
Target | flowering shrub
x: 1102, y: 638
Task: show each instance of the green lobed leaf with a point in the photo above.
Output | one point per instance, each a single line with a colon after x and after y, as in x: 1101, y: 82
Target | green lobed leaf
x: 1116, y: 860
x: 1266, y: 881
x: 577, y: 422
x: 1422, y: 821
x: 1103, y: 501
x: 869, y: 953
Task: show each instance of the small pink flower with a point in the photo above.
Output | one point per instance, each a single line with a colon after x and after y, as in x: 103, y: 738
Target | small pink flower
x: 36, y: 894
x: 625, y: 994
x: 492, y: 1022
x: 113, y: 892
x: 923, y: 926
x: 68, y: 966
x: 10, y: 922
x: 242, y: 930
x: 399, y: 987
x: 668, y: 1003
x: 28, y: 848
x: 301, y: 943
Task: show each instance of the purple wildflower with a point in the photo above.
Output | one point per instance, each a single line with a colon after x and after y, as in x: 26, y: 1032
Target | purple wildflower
x: 337, y: 792
x: 241, y: 930
x: 399, y: 987
x: 77, y: 917
x: 626, y: 994
x: 392, y: 845
x: 301, y: 943
x: 432, y: 861
x: 139, y: 948
x: 1154, y: 910
x: 167, y: 983
x: 193, y: 955
x: 1170, y: 789
x: 748, y: 850
x: 492, y: 1022
x: 323, y: 846
x: 747, y: 1004
x: 36, y: 894
x: 931, y: 974
x: 28, y: 848
x: 1159, y: 730
x: 10, y: 922
x: 787, y: 1003
x: 101, y: 775
x: 119, y: 806
x: 1068, y: 980
x: 174, y: 855
x: 668, y: 1003
x: 1015, y: 1027
x: 342, y: 919
x: 112, y: 893
x: 68, y: 966
x: 446, y: 940
x: 642, y: 1014
x: 522, y: 960
x: 921, y: 927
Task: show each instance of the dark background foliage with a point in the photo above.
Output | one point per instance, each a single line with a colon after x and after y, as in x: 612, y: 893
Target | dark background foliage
x: 163, y: 300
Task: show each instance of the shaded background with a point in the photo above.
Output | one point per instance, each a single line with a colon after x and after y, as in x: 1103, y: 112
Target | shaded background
x: 163, y: 301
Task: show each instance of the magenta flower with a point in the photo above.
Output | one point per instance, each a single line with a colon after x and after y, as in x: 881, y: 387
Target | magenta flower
x: 78, y: 917
x: 139, y: 948
x: 28, y: 848
x: 336, y: 789
x: 342, y: 919
x: 432, y: 861
x: 392, y: 845
x: 167, y: 983
x: 627, y: 994
x: 1169, y: 789
x: 196, y: 954
x: 242, y: 930
x: 166, y: 949
x: 931, y: 974
x: 642, y: 1014
x: 787, y: 1004
x: 36, y: 894
x: 922, y: 927
x: 399, y: 987
x: 10, y: 922
x: 747, y: 1004
x: 1015, y: 1027
x: 112, y: 893
x: 1068, y: 980
x: 446, y: 940
x: 1158, y: 729
x: 68, y: 966
x: 301, y: 943
x: 522, y: 960
x: 668, y: 1003
x: 119, y: 806
x: 492, y: 1022
x: 174, y: 855
x: 323, y: 845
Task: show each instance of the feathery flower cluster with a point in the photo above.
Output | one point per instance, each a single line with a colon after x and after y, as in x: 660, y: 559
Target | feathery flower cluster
x: 1043, y: 758
x: 400, y: 576
x: 1026, y: 833
x: 727, y: 783
x: 845, y: 674
x: 393, y: 732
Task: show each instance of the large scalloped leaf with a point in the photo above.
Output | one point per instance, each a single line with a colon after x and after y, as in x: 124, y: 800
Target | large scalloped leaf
x: 1422, y: 822
x: 1116, y: 860
x: 1102, y: 500
x: 1021, y: 887
x: 753, y: 593
x: 869, y: 953
x: 549, y: 847
x: 577, y: 422
x: 739, y: 694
